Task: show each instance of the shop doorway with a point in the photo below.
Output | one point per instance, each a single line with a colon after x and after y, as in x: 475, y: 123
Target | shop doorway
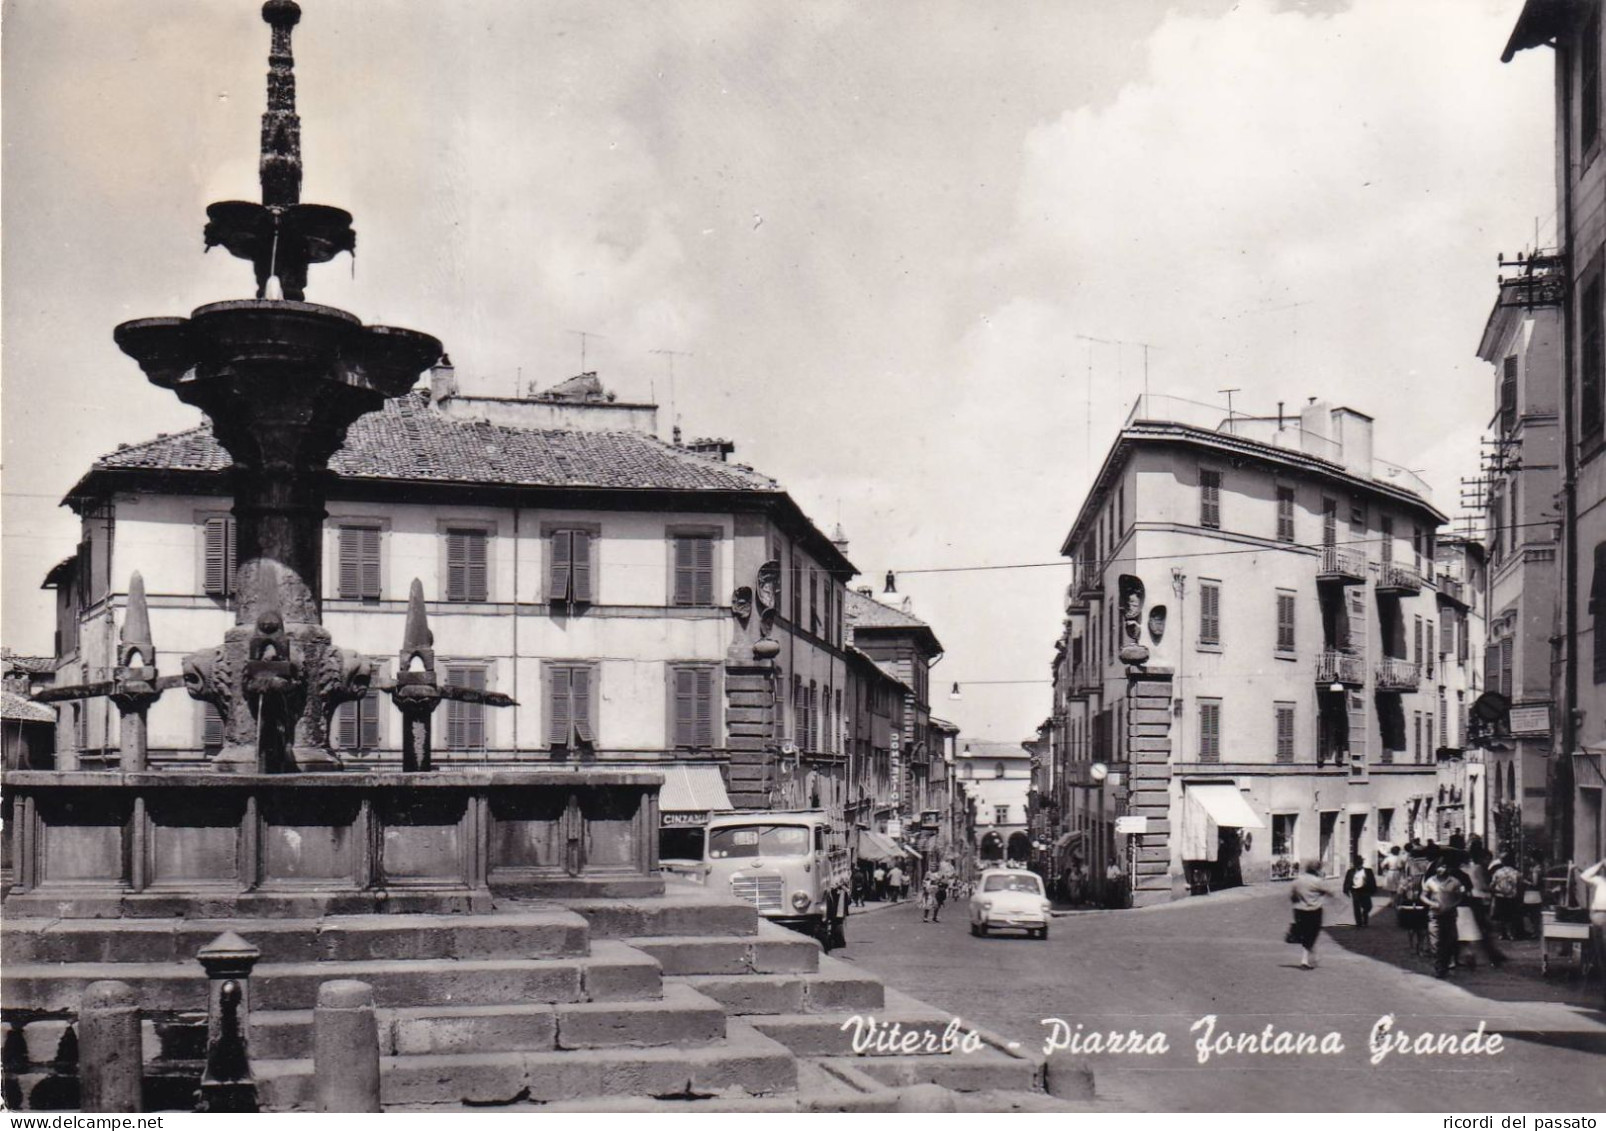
x: 1226, y: 871
x: 1357, y: 837
x: 1327, y: 842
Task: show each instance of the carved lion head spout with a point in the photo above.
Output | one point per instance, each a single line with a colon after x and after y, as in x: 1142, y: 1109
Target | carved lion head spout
x: 203, y: 676
x: 345, y: 678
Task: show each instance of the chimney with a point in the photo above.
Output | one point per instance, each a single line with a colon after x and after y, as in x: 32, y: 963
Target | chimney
x: 1352, y: 431
x: 719, y: 449
x: 442, y: 380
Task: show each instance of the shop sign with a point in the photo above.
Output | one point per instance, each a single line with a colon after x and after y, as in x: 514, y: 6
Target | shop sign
x: 929, y: 818
x: 1131, y: 826
x: 1530, y: 720
x: 690, y: 819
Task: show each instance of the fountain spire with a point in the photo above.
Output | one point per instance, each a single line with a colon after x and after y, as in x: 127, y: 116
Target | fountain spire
x: 281, y: 236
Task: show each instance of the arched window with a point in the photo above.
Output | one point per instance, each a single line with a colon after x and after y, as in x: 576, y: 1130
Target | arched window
x: 998, y: 769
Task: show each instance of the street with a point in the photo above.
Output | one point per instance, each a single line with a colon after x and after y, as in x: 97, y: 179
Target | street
x: 1162, y: 969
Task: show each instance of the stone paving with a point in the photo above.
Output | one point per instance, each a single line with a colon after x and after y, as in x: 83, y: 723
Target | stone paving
x: 1162, y: 969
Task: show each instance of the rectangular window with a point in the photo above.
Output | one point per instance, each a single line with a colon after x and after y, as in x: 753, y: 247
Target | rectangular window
x: 1431, y: 651
x: 1357, y: 520
x: 1285, y: 732
x: 814, y: 601
x: 1416, y: 642
x: 1444, y: 717
x: 1210, y: 730
x: 1416, y: 548
x: 1282, y: 834
x: 1416, y: 736
x: 1386, y: 537
x: 80, y: 726
x: 571, y: 724
x: 1462, y: 644
x: 569, y: 567
x: 800, y: 727
x: 1329, y: 522
x: 1120, y: 509
x: 1285, y: 514
x: 1209, y: 612
x: 1427, y: 727
x: 797, y: 591
x: 1506, y: 647
x: 466, y: 565
x: 357, y: 724
x: 1210, y: 498
x: 1589, y: 365
x: 1508, y: 394
x: 693, y: 689
x: 218, y: 557
x: 357, y: 574
x: 1000, y: 814
x: 465, y: 722
x: 1285, y: 622
x: 694, y: 569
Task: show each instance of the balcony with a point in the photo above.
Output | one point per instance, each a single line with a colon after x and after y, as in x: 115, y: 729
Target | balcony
x: 1342, y: 565
x: 1398, y: 675
x: 1398, y: 581
x: 1087, y: 679
x: 1454, y: 590
x: 1340, y: 667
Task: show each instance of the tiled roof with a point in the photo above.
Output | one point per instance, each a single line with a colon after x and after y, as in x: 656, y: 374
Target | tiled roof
x: 867, y: 612
x: 992, y: 748
x: 408, y: 440
x: 24, y: 710
x: 33, y: 665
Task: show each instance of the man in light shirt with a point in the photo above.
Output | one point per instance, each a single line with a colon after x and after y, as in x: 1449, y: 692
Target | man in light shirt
x: 1443, y: 894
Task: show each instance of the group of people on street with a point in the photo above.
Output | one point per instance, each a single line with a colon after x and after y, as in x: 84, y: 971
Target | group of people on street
x: 1465, y: 898
x: 1076, y: 885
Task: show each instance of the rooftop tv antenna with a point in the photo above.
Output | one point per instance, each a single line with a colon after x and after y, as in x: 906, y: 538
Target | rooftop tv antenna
x: 674, y: 419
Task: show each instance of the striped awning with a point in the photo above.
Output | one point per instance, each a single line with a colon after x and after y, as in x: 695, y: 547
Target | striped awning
x: 878, y: 846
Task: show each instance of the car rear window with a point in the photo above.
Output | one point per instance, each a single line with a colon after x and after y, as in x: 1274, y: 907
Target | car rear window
x: 1026, y: 883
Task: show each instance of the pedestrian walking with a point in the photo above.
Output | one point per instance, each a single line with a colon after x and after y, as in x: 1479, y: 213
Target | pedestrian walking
x: 837, y: 900
x: 1505, y: 885
x: 1359, y: 884
x: 1112, y: 886
x: 1476, y: 908
x: 928, y: 898
x: 856, y: 893
x: 1307, y: 894
x: 880, y: 883
x: 1393, y: 868
x: 1443, y: 894
x: 896, y: 882
x: 1595, y: 878
x: 941, y: 896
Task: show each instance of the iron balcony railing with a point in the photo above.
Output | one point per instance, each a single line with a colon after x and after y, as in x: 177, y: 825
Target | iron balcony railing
x: 1340, y: 667
x: 1344, y: 564
x: 1397, y: 675
x: 1453, y: 589
x: 1393, y: 578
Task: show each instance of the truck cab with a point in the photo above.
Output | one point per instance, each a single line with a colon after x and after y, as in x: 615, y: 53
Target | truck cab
x: 783, y: 862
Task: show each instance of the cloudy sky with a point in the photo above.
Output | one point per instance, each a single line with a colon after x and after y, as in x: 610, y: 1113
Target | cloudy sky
x: 882, y: 232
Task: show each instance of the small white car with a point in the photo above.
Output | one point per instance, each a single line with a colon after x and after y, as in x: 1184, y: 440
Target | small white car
x: 1009, y: 898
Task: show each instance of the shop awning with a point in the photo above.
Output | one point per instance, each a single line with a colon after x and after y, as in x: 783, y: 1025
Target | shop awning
x: 1226, y: 806
x: 1069, y: 838
x: 878, y: 846
x: 693, y: 789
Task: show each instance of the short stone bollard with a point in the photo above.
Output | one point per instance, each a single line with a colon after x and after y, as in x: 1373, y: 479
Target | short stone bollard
x: 111, y: 1064
x: 1068, y: 1078
x: 345, y: 1047
x: 227, y: 1084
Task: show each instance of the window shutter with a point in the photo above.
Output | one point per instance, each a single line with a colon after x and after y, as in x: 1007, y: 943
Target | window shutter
x: 465, y: 722
x: 1431, y: 653
x: 561, y: 572
x: 1285, y: 622
x: 560, y: 718
x: 1210, y: 499
x: 476, y: 545
x: 1416, y: 641
x: 1210, y: 614
x: 1285, y: 734
x: 218, y: 571
x: 685, y: 706
x: 1505, y: 666
x: 703, y: 562
x: 685, y: 573
x: 346, y: 726
x: 456, y: 566
x: 211, y: 727
x: 368, y: 710
x: 580, y: 564
x: 348, y: 578
x: 704, y: 718
x: 370, y: 562
x: 580, y: 704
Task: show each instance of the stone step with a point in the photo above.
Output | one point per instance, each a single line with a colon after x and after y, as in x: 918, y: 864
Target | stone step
x: 987, y: 1070
x: 835, y: 988
x: 684, y: 909
x: 533, y: 931
x: 773, y: 950
x: 681, y: 1017
x: 884, y: 1033
x: 743, y: 1062
x: 612, y: 972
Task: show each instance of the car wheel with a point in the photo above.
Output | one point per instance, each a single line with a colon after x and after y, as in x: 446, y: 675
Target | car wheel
x: 973, y: 931
x: 981, y: 929
x: 1042, y: 932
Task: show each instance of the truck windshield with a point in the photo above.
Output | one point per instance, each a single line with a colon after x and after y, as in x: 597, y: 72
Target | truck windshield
x: 736, y: 841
